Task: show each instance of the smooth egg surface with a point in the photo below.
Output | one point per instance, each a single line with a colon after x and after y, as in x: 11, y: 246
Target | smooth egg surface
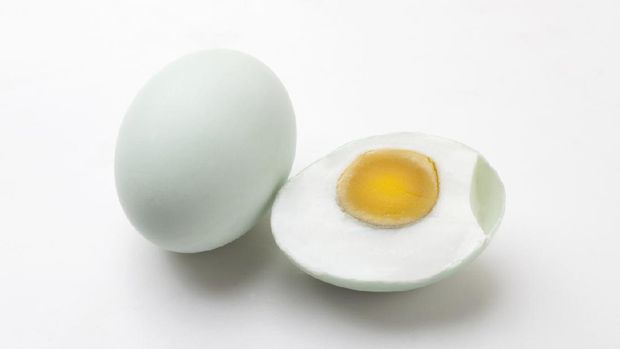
x: 202, y: 150
x: 403, y: 228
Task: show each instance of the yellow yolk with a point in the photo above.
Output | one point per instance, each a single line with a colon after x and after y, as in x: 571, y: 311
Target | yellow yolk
x: 389, y: 187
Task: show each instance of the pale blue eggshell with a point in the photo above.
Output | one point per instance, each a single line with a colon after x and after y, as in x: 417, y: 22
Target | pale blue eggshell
x: 203, y: 148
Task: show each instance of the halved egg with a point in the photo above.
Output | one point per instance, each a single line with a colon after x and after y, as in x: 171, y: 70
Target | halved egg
x: 389, y: 213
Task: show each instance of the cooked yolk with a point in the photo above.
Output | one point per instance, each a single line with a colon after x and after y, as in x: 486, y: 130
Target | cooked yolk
x: 389, y: 187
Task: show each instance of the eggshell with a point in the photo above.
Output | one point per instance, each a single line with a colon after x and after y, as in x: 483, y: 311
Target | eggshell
x: 203, y: 148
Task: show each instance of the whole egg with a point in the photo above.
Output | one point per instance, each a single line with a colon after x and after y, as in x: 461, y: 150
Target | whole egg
x: 203, y: 148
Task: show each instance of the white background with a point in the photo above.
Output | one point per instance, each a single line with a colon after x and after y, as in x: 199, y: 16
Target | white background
x: 533, y: 85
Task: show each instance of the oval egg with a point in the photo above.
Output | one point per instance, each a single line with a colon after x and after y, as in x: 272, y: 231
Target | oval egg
x: 203, y: 148
x: 389, y: 213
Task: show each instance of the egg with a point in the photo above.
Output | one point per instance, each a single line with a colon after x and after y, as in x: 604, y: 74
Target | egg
x: 389, y: 213
x: 202, y: 150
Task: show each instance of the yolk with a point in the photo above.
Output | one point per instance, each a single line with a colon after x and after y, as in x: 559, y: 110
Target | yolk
x: 389, y: 187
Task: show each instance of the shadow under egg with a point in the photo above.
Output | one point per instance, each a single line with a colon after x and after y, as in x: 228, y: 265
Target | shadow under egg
x: 465, y: 296
x: 227, y: 269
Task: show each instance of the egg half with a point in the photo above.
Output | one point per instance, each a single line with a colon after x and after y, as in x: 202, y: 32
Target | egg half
x: 389, y: 213
x: 202, y: 150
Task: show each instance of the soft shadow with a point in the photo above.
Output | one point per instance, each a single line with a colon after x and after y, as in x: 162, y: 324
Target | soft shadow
x: 461, y: 297
x: 229, y: 268
x: 238, y: 267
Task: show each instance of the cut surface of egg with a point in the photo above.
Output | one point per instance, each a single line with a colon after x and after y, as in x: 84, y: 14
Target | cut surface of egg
x: 202, y: 150
x: 389, y: 213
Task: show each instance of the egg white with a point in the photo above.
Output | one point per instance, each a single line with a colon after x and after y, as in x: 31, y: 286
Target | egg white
x: 329, y: 244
